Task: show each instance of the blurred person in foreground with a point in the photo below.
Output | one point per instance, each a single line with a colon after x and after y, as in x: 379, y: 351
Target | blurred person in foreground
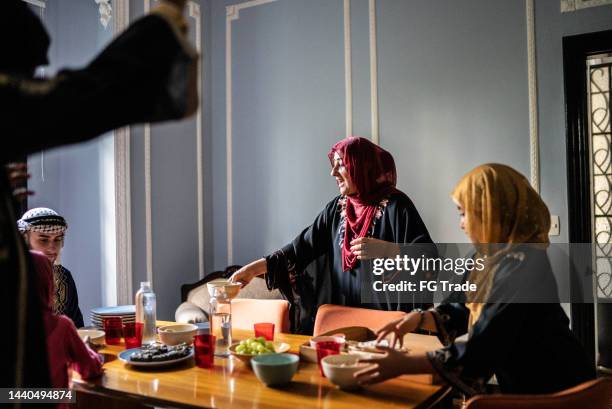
x: 146, y: 74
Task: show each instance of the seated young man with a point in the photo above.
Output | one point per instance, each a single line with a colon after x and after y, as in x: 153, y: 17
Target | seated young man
x: 43, y: 230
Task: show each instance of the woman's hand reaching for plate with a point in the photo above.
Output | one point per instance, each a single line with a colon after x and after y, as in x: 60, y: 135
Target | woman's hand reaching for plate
x: 398, y: 328
x: 391, y: 365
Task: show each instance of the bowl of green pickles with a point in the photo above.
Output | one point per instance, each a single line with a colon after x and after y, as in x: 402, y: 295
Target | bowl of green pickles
x: 248, y: 348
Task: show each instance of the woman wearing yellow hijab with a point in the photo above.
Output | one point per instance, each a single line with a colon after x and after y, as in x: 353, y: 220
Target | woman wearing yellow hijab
x: 504, y: 211
x: 527, y: 346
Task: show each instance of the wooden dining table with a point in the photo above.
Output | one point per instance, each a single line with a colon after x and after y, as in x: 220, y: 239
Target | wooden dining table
x: 231, y: 384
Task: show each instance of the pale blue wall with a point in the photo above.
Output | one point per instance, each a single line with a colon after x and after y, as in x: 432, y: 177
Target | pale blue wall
x: 453, y: 95
x: 452, y: 78
x: 71, y: 183
x: 288, y: 110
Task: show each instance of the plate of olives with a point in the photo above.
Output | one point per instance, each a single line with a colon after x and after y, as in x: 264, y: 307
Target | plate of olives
x: 156, y: 355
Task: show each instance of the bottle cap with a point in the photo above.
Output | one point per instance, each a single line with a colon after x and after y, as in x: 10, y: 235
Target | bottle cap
x: 145, y: 284
x: 203, y: 328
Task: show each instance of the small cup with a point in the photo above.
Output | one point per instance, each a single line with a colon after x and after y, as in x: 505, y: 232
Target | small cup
x: 204, y: 347
x: 264, y: 329
x: 326, y: 348
x: 339, y: 338
x: 113, y: 330
x: 132, y: 334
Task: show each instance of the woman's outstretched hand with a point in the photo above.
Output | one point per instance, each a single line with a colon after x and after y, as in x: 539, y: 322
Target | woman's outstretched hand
x: 398, y: 328
x: 248, y: 272
x: 367, y: 248
x: 393, y: 364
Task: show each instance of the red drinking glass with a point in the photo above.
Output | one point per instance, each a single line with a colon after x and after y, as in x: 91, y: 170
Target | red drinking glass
x: 325, y: 348
x: 132, y: 334
x: 204, y: 347
x: 113, y: 330
x: 264, y: 329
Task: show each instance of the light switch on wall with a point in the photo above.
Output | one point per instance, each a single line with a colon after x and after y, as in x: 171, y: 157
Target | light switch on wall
x: 555, y: 229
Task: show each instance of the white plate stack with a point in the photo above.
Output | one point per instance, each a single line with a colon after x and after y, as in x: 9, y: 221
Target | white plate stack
x: 127, y: 313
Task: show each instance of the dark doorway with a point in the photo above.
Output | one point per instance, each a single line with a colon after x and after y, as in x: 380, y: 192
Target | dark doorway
x: 579, y: 54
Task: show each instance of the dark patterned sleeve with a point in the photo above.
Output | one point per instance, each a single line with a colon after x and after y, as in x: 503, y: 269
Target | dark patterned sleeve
x: 469, y: 365
x: 281, y: 271
x: 285, y: 267
x: 72, y: 300
x: 451, y: 318
x: 410, y: 232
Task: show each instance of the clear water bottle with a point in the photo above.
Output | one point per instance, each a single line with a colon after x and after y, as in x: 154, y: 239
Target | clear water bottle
x: 221, y: 321
x: 146, y: 312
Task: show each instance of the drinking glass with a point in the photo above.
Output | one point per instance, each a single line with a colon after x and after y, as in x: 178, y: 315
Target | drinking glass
x: 204, y: 347
x: 325, y: 348
x: 113, y: 330
x: 132, y: 334
x: 264, y: 329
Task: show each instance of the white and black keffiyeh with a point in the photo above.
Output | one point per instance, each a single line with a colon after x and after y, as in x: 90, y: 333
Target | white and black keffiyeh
x: 42, y: 220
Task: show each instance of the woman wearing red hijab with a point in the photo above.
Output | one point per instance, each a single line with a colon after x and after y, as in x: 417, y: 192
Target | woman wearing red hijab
x: 65, y: 350
x: 368, y: 219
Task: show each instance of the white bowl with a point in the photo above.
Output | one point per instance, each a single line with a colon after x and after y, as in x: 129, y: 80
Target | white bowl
x: 229, y: 290
x: 328, y: 338
x: 177, y: 334
x: 96, y: 336
x: 339, y: 369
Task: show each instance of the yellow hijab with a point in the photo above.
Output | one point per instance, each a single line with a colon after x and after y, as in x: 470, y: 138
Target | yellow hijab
x: 500, y: 207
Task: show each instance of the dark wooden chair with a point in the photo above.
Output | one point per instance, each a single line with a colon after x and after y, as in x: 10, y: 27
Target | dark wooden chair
x: 595, y: 394
x: 254, y: 297
x: 227, y: 273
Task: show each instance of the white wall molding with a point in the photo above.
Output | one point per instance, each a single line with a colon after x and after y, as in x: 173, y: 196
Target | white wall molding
x: 123, y: 215
x: 120, y: 15
x: 123, y: 197
x: 348, y: 70
x: 374, y: 72
x: 232, y: 13
x: 194, y: 12
x: 106, y: 11
x: 147, y: 177
x: 38, y: 3
x: 534, y: 140
x: 148, y: 204
x: 573, y: 5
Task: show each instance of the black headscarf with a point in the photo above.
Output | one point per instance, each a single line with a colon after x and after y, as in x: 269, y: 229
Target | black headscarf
x: 24, y: 41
